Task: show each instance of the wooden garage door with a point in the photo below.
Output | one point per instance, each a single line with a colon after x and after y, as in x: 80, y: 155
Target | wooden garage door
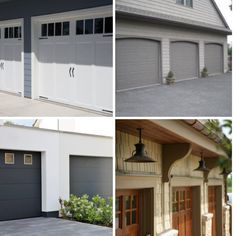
x: 137, y: 63
x: 212, y: 207
x: 184, y: 60
x: 20, y: 185
x: 214, y: 58
x: 182, y: 210
x: 127, y: 211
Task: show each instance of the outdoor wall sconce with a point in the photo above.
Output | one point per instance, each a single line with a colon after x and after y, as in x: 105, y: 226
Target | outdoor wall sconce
x: 224, y: 172
x: 139, y: 155
x: 202, y: 165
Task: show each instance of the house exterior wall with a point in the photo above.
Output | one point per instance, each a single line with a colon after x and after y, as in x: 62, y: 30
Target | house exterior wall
x: 127, y: 28
x: 55, y: 148
x: 25, y: 9
x: 138, y: 176
x: 202, y: 11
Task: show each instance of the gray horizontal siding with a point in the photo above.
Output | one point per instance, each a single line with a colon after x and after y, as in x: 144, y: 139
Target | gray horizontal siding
x: 202, y: 11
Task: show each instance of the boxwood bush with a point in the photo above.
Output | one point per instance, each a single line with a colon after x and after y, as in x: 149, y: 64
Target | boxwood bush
x: 97, y: 211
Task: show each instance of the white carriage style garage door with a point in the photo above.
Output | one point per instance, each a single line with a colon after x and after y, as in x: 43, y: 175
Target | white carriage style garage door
x: 75, y: 60
x: 184, y: 60
x: 214, y: 58
x: 11, y: 51
x: 137, y: 63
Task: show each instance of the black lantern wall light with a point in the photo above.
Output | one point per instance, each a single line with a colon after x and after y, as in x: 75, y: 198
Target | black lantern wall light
x: 139, y: 155
x: 202, y: 165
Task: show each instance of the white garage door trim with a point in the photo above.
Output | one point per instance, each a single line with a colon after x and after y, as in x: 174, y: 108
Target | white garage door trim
x: 157, y: 57
x: 100, y: 102
x: 18, y: 88
x: 182, y: 51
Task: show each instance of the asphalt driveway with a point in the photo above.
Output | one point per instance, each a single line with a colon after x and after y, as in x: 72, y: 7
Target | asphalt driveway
x: 51, y: 227
x: 211, y: 96
x: 12, y: 105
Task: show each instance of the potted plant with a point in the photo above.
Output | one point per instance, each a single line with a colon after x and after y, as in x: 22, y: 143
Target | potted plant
x: 204, y: 72
x: 170, y: 79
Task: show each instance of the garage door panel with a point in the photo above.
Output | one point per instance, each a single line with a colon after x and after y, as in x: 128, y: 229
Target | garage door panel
x: 137, y: 63
x: 91, y: 175
x: 20, y: 209
x: 20, y: 186
x: 214, y: 58
x: 184, y: 60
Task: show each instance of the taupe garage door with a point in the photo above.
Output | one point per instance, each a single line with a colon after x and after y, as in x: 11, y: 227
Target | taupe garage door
x: 138, y: 63
x: 214, y: 58
x: 91, y: 175
x: 184, y: 60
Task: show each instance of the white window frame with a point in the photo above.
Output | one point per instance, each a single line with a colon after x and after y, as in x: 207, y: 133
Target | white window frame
x: 28, y: 155
x: 13, y: 159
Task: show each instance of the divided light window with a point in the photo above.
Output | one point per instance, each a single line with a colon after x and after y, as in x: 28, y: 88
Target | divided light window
x: 55, y: 29
x: 12, y: 32
x: 9, y: 158
x: 187, y: 3
x: 28, y: 159
x: 94, y: 26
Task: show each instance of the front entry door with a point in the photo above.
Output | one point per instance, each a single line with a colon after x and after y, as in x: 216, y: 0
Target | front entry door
x: 182, y: 210
x: 127, y: 211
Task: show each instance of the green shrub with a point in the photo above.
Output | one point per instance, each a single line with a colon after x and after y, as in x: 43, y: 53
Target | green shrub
x: 204, y: 72
x: 97, y: 211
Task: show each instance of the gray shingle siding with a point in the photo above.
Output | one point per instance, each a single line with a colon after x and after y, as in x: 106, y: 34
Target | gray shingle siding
x: 25, y: 9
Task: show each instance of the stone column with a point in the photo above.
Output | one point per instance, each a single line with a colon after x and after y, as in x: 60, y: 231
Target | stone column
x: 207, y: 224
x: 226, y: 220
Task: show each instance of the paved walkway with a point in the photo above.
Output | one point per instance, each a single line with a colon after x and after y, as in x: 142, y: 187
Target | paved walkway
x: 11, y: 105
x: 51, y: 227
x: 210, y: 96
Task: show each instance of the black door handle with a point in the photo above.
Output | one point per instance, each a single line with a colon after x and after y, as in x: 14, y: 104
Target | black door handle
x: 73, y: 70
x: 70, y: 71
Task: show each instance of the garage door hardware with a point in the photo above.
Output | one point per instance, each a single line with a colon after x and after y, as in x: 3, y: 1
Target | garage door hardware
x: 2, y: 65
x: 107, y: 111
x: 71, y: 72
x: 43, y: 38
x: 107, y: 35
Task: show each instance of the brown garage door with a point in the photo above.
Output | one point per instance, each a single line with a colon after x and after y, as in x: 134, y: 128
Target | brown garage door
x: 182, y: 210
x: 212, y: 207
x: 127, y: 211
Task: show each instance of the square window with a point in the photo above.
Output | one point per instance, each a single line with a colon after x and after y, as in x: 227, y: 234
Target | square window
x: 89, y: 26
x: 9, y: 158
x: 180, y: 2
x: 66, y: 28
x: 6, y: 33
x: 44, y: 30
x: 108, y: 25
x: 189, y: 3
x: 28, y: 159
x: 99, y: 26
x: 11, y: 33
x: 51, y: 29
x: 58, y: 29
x: 79, y: 27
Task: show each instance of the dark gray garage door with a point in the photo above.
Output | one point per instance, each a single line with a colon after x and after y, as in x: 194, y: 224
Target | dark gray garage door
x: 214, y: 58
x: 91, y: 175
x: 184, y: 60
x: 20, y: 185
x: 137, y: 63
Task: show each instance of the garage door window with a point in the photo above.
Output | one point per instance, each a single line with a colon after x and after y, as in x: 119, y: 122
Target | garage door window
x: 12, y: 32
x: 89, y: 26
x: 9, y: 159
x: 99, y: 26
x: 108, y: 25
x: 28, y: 159
x: 55, y: 29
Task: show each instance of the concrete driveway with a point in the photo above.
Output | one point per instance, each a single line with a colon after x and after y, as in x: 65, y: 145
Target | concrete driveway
x: 11, y: 105
x: 210, y: 96
x: 51, y: 227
